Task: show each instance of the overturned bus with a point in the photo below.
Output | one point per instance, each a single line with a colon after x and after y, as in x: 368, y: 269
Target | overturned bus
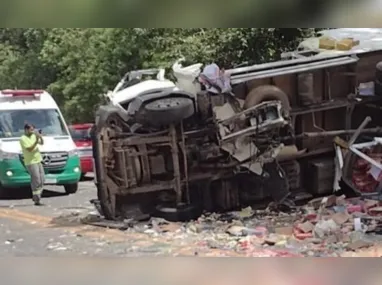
x: 176, y: 148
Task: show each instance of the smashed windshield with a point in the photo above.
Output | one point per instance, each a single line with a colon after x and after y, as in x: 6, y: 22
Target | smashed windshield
x: 48, y: 120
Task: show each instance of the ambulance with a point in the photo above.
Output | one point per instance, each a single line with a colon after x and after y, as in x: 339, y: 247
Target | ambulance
x: 60, y: 159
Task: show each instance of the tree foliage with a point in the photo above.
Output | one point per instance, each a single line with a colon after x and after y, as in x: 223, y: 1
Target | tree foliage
x: 78, y: 66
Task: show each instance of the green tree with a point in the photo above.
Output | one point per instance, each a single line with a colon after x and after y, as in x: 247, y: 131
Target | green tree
x: 78, y: 66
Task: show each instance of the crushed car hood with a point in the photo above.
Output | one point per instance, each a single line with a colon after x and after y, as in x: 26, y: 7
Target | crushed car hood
x: 134, y: 91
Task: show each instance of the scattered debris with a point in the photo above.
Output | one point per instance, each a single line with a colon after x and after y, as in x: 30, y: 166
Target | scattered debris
x: 274, y: 239
x: 325, y: 228
x: 236, y: 230
x: 375, y: 211
x: 244, y: 213
x: 9, y: 241
x: 329, y: 226
x: 57, y: 246
x: 305, y: 227
x: 340, y: 218
x: 286, y: 231
x: 108, y: 224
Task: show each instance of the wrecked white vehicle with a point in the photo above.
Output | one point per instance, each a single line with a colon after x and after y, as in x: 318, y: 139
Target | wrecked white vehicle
x: 218, y: 140
x: 175, y: 150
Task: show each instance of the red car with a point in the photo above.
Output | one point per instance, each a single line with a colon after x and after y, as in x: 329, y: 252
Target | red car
x: 81, y: 137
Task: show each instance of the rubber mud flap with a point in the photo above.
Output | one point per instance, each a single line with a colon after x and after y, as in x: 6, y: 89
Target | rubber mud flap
x: 267, y: 93
x: 166, y: 111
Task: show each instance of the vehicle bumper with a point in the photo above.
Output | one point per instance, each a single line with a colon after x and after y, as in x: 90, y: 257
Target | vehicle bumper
x: 13, y: 174
x: 86, y: 164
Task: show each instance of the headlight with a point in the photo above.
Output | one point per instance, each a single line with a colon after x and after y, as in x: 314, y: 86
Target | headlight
x: 72, y: 153
x: 8, y: 155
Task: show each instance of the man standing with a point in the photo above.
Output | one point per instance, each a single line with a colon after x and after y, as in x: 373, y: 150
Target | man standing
x: 32, y: 159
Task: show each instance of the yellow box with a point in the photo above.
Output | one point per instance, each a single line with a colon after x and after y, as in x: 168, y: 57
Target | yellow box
x: 346, y: 44
x: 327, y: 43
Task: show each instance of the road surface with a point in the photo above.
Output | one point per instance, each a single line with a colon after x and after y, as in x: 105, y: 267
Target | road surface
x: 55, y: 229
x: 27, y: 230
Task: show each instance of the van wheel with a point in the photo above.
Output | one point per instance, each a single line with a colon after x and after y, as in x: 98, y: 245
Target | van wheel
x: 267, y: 93
x: 71, y: 188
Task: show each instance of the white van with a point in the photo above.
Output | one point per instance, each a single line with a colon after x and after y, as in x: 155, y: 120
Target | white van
x: 60, y: 160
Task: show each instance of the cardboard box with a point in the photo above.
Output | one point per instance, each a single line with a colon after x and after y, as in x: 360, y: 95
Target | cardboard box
x: 327, y: 43
x: 346, y: 44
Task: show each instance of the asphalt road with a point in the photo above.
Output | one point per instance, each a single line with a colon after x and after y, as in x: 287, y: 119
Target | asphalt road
x: 55, y: 229
x: 56, y: 202
x: 27, y: 230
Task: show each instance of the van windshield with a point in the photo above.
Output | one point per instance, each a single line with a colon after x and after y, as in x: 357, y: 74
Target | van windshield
x: 48, y: 120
